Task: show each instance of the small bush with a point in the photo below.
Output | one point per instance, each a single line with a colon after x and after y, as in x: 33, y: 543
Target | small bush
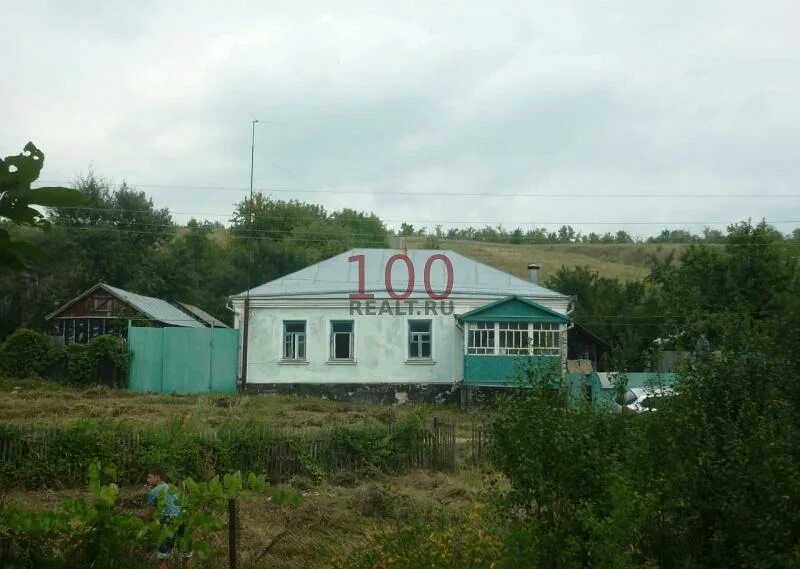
x: 103, y: 360
x: 436, y: 540
x: 28, y: 353
x: 373, y: 500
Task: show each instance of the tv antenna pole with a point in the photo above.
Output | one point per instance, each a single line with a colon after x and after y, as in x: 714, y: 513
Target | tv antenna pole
x: 251, y: 219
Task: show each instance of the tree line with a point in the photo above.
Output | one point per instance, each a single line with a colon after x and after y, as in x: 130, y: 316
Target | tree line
x: 119, y: 236
x: 568, y: 234
x: 687, y: 299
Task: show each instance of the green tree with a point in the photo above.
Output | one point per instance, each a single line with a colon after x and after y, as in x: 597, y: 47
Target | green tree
x: 192, y: 268
x: 271, y: 238
x: 407, y: 230
x: 114, y: 232
x: 751, y: 275
x: 627, y: 314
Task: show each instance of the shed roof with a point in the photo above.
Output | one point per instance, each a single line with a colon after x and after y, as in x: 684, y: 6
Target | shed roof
x: 337, y: 277
x: 153, y: 308
x: 202, y: 315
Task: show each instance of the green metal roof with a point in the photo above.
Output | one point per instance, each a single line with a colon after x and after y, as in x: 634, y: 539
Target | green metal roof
x: 513, y: 309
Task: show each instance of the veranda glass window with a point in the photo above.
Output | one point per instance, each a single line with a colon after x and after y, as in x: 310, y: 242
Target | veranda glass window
x: 481, y: 338
x: 514, y: 338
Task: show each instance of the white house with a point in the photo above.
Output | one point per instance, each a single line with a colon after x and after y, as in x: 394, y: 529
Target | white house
x: 388, y: 317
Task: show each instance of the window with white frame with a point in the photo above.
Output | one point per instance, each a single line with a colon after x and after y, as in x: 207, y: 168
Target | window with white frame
x: 419, y: 339
x: 294, y: 339
x: 342, y: 340
x: 545, y: 339
x: 481, y: 338
x: 514, y: 338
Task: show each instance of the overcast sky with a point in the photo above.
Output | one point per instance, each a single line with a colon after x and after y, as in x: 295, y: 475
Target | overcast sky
x: 419, y: 97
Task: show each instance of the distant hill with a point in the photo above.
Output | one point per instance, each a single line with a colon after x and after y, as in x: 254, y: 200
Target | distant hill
x: 623, y: 261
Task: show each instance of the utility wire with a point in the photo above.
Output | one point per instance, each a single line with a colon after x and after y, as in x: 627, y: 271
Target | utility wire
x: 368, y: 219
x: 328, y: 190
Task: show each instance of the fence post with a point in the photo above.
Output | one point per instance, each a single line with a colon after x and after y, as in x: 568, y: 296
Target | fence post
x: 232, y: 533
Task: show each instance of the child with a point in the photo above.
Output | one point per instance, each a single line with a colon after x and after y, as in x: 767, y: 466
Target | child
x: 161, y: 496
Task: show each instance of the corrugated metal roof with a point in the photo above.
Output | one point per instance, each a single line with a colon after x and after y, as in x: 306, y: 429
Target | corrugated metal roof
x: 155, y: 308
x: 201, y: 314
x: 337, y: 278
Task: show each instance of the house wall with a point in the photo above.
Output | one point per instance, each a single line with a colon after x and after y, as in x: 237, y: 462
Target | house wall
x: 381, y: 344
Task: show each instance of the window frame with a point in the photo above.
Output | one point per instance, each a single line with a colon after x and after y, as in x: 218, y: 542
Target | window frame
x: 542, y: 338
x: 298, y: 339
x: 484, y: 332
x: 332, y: 341
x: 410, y: 335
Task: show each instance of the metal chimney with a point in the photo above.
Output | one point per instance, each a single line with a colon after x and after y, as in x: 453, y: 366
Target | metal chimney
x: 533, y: 273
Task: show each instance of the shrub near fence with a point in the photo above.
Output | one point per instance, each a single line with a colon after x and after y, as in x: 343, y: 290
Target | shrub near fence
x: 60, y: 457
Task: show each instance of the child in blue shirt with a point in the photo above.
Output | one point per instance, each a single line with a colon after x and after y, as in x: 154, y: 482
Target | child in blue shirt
x: 161, y: 496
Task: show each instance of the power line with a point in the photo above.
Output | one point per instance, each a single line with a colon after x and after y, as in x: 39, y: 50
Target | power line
x: 376, y: 241
x: 328, y: 190
x: 439, y: 221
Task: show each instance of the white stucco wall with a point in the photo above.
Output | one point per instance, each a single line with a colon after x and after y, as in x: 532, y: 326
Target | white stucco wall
x: 380, y: 344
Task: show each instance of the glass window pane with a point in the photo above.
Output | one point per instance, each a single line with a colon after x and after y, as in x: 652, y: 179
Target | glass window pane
x: 425, y: 350
x: 341, y: 346
x: 419, y: 325
x: 295, y: 325
x: 342, y: 326
x: 81, y: 330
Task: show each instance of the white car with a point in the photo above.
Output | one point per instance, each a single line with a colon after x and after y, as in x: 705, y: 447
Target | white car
x: 640, y: 399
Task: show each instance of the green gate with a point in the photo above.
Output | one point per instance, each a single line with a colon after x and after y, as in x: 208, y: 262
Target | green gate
x: 183, y: 360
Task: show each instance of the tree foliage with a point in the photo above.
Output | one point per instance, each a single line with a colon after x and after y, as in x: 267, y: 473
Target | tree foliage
x: 708, y: 480
x: 117, y: 235
x: 18, y: 203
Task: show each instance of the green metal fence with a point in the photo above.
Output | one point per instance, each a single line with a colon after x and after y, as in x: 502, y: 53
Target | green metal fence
x: 183, y: 360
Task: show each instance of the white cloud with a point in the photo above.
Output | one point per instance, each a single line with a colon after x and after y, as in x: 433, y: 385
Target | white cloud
x: 506, y: 97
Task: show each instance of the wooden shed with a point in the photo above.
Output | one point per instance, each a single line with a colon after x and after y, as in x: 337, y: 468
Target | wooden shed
x: 104, y: 309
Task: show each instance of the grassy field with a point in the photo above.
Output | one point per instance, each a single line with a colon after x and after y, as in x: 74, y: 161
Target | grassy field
x: 333, y: 518
x: 41, y: 403
x: 335, y: 515
x: 626, y: 261
x: 623, y: 261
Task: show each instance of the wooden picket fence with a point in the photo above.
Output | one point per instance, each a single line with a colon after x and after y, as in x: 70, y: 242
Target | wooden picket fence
x: 479, y: 443
x: 281, y: 454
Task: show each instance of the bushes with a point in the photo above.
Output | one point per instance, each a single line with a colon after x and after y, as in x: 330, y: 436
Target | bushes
x: 709, y: 480
x: 95, y: 533
x: 438, y: 540
x: 27, y: 353
x: 59, y: 457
